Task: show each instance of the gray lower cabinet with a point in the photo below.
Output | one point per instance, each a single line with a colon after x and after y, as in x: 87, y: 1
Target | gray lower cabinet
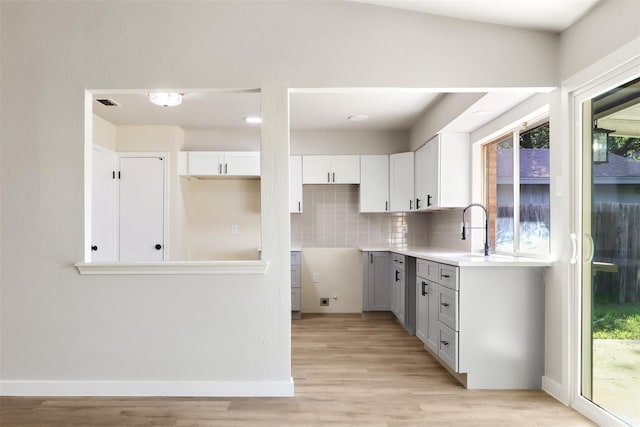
x: 427, y: 303
x: 484, y: 322
x: 375, y: 272
x: 296, y: 263
x: 403, y: 290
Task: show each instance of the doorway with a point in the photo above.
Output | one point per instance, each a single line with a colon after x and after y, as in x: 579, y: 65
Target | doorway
x: 610, y: 270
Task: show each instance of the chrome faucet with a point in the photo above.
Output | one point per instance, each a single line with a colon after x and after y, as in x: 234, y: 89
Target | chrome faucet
x: 486, y: 226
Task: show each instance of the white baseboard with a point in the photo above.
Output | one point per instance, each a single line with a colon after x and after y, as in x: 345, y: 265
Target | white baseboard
x: 149, y: 388
x: 555, y: 389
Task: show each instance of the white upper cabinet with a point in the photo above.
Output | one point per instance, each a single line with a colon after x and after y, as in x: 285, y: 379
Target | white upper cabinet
x: 374, y: 183
x: 331, y: 169
x: 295, y: 184
x: 242, y: 163
x: 401, y: 182
x: 443, y: 172
x: 219, y: 163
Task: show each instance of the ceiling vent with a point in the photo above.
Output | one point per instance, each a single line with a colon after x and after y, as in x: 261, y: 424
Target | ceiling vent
x: 108, y: 102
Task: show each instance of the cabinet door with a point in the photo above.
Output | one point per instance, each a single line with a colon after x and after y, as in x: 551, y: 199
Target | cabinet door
x: 379, y: 295
x: 316, y: 169
x: 420, y: 172
x: 103, y: 205
x: 205, y: 163
x: 432, y: 338
x: 455, y: 170
x: 422, y: 309
x: 345, y: 169
x: 432, y: 173
x: 242, y: 163
x: 295, y: 184
x: 401, y: 296
x: 141, y: 210
x: 374, y: 183
x: 401, y: 182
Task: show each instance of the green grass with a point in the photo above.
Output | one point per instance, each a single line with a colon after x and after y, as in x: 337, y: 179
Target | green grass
x: 616, y: 321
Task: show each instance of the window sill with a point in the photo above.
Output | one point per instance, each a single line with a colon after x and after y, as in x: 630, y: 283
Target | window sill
x: 177, y: 267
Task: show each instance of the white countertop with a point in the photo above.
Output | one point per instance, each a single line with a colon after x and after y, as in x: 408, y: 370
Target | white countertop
x: 463, y: 259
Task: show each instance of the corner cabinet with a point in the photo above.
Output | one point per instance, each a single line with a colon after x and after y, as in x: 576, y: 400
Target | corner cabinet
x: 331, y: 169
x: 295, y: 184
x: 375, y: 273
x: 443, y: 172
x: 219, y: 163
x: 374, y: 183
x: 484, y: 323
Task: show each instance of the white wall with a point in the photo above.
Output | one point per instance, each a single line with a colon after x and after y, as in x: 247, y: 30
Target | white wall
x: 213, y: 206
x: 335, y: 280
x: 448, y: 107
x: 201, y: 328
x: 610, y: 25
x: 349, y: 142
x: 104, y: 133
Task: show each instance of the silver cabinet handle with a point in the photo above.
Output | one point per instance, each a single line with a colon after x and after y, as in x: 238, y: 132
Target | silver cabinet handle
x: 328, y: 176
x: 225, y: 168
x: 444, y: 343
x: 334, y: 177
x: 386, y: 205
x: 444, y: 304
x: 299, y: 206
x: 220, y: 168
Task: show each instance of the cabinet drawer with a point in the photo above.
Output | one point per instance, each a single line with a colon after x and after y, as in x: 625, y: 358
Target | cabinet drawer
x: 448, y: 276
x: 448, y: 307
x: 295, y: 299
x: 448, y: 346
x: 427, y: 269
x: 397, y: 261
x: 295, y: 258
x: 295, y: 276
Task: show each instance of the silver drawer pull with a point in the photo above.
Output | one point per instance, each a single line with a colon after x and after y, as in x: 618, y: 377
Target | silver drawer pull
x: 444, y: 304
x: 444, y: 343
x: 446, y: 276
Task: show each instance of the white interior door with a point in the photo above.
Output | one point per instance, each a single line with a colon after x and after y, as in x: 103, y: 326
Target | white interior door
x: 103, y: 206
x: 142, y: 199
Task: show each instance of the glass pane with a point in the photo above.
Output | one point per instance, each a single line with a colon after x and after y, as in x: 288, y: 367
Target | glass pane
x: 611, y: 283
x: 499, y: 187
x: 534, y: 190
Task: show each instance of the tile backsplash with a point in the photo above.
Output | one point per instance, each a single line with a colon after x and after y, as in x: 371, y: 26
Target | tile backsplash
x: 330, y: 218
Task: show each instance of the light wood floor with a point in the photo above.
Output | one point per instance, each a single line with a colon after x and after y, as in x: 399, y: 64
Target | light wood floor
x: 347, y: 371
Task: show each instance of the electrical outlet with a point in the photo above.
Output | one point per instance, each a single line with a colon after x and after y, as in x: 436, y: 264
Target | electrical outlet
x: 316, y: 277
x: 234, y: 229
x: 324, y: 301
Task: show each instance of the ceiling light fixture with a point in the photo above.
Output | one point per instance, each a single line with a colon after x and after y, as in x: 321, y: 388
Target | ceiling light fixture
x: 253, y: 120
x: 165, y: 99
x: 358, y: 117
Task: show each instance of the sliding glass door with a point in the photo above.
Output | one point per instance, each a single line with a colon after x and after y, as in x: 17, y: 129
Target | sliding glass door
x: 610, y: 344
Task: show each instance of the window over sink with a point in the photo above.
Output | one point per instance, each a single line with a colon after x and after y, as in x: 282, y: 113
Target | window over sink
x: 516, y: 187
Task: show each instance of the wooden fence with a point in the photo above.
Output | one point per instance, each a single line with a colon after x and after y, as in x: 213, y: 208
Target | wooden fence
x: 616, y: 237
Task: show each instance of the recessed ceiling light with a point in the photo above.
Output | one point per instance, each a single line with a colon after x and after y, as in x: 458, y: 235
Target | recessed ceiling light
x: 253, y: 120
x: 165, y: 99
x: 358, y: 118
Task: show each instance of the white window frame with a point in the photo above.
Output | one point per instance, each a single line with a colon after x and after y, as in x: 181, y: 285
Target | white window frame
x: 515, y: 132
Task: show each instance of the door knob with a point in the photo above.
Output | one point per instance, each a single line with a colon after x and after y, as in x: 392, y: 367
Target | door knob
x: 158, y: 246
x: 94, y: 248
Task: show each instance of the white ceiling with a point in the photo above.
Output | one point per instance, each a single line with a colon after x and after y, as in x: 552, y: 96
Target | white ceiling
x: 547, y: 15
x: 387, y: 110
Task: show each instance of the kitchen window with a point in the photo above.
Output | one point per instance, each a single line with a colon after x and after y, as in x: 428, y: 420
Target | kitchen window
x: 516, y: 183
